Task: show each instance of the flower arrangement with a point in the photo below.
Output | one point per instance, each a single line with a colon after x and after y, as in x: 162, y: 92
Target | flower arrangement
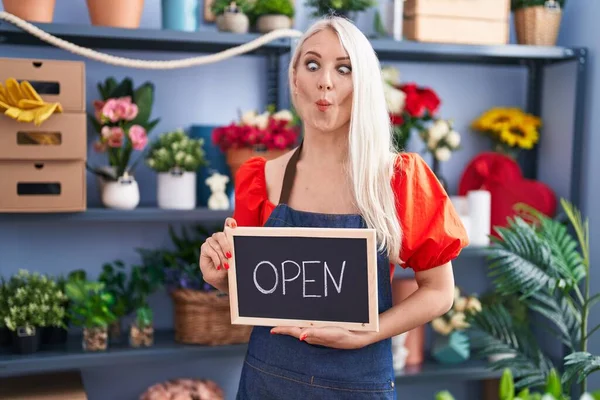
x: 340, y: 7
x: 456, y: 318
x: 410, y: 106
x: 441, y: 139
x: 510, y: 129
x: 174, y: 151
x: 32, y: 300
x: 268, y: 131
x: 122, y: 120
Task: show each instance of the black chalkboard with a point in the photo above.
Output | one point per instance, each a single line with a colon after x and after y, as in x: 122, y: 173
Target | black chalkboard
x: 303, y: 277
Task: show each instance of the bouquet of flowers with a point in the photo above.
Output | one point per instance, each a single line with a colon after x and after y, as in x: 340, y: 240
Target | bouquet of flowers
x: 122, y: 120
x: 176, y: 150
x: 410, y: 106
x: 440, y: 140
x: 456, y: 319
x: 267, y: 131
x: 510, y: 129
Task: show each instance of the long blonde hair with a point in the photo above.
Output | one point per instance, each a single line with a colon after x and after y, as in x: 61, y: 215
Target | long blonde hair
x: 371, y: 154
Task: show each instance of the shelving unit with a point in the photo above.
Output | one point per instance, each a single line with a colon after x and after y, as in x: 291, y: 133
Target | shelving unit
x: 535, y: 59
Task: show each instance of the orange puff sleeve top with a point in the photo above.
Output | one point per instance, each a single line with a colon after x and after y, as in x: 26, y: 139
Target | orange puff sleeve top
x: 432, y: 233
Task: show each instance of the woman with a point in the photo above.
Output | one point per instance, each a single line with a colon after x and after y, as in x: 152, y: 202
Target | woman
x: 344, y: 174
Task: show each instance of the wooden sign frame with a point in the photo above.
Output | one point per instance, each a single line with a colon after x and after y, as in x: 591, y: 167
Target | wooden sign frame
x: 368, y: 234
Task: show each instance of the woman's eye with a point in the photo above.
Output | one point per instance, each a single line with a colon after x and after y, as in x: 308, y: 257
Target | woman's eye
x: 345, y: 69
x: 312, y: 65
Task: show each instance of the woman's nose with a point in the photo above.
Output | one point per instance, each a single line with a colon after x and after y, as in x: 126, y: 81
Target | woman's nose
x: 325, y: 82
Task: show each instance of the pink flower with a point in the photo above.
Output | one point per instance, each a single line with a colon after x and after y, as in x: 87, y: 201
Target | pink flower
x: 110, y: 110
x: 138, y: 137
x: 116, y: 137
x: 120, y: 109
x: 98, y: 106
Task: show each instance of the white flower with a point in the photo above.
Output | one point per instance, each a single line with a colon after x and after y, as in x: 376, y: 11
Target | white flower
x: 440, y: 326
x: 248, y: 118
x: 390, y: 75
x: 438, y: 130
x: 548, y: 397
x: 394, y: 99
x: 473, y: 305
x: 458, y: 321
x: 262, y: 120
x: 285, y: 115
x: 461, y: 304
x: 443, y: 154
x: 586, y: 396
x: 453, y: 139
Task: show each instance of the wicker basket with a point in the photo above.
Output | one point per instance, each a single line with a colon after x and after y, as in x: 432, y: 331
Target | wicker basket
x: 537, y: 25
x: 204, y: 318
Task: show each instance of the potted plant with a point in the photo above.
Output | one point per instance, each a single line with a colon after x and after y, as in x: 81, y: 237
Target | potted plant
x: 511, y: 130
x: 176, y: 158
x: 116, y: 13
x: 273, y: 14
x: 32, y: 301
x: 142, y: 330
x: 411, y: 107
x: 232, y: 16
x: 268, y: 135
x: 440, y: 140
x: 90, y: 309
x: 31, y: 10
x: 5, y: 333
x: 451, y: 344
x: 202, y: 314
x: 537, y: 22
x: 345, y: 8
x: 122, y: 121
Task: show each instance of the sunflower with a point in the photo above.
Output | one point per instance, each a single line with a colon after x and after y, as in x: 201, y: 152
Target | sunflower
x: 520, y: 133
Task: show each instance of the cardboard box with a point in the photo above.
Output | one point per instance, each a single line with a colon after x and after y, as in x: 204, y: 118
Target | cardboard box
x: 42, y: 186
x: 457, y: 21
x: 54, y: 80
x: 62, y: 136
x: 53, y: 386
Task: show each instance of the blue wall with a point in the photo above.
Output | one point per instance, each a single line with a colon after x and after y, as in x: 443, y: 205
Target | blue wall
x: 211, y: 95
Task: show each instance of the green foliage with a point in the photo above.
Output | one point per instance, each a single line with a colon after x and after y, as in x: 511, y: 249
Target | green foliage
x: 32, y: 300
x: 144, y: 317
x: 175, y: 150
x: 91, y: 304
x: 218, y: 6
x: 516, y: 4
x: 343, y: 7
x: 273, y: 7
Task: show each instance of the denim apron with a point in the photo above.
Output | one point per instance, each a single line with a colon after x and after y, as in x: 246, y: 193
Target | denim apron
x: 283, y: 367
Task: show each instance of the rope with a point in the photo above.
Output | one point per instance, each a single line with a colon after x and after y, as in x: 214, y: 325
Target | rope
x: 148, y: 64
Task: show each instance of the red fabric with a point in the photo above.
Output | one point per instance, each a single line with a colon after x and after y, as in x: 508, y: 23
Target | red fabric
x: 502, y: 177
x: 432, y: 233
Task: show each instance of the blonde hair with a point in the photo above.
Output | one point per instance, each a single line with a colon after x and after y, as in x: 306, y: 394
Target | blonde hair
x: 371, y: 154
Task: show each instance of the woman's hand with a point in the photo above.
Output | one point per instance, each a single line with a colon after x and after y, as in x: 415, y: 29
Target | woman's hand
x: 214, y: 253
x: 334, y: 337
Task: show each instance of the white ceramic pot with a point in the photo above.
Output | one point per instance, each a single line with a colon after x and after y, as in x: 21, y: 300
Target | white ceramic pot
x: 176, y: 190
x: 123, y: 194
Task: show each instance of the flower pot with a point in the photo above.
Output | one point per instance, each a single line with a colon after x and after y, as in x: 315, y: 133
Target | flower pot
x: 31, y: 10
x: 141, y: 337
x: 115, y: 331
x: 268, y: 23
x: 236, y: 157
x: 53, y: 335
x: 452, y: 349
x: 95, y: 339
x: 116, y: 13
x: 123, y: 194
x: 26, y: 341
x: 233, y: 22
x: 537, y: 25
x: 180, y: 15
x: 176, y: 190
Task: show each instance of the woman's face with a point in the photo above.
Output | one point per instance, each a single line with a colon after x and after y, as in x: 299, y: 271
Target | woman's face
x: 323, y: 83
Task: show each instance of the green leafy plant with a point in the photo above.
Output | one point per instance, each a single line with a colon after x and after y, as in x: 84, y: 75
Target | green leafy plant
x: 536, y: 259
x: 517, y: 4
x: 144, y: 317
x: 218, y: 7
x: 31, y: 300
x: 273, y: 7
x: 91, y: 304
x: 340, y: 7
x: 175, y: 151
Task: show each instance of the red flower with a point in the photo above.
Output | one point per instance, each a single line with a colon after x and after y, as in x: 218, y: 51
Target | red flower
x: 419, y: 100
x: 278, y: 134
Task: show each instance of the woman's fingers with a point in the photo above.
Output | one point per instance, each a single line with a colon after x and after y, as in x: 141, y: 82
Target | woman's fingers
x: 230, y: 222
x: 224, y: 244
x: 209, y: 252
x: 216, y: 246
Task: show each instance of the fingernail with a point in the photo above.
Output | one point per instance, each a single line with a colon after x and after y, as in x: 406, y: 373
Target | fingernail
x: 226, y: 266
x: 272, y: 332
x: 303, y: 336
x: 228, y: 255
x: 218, y: 267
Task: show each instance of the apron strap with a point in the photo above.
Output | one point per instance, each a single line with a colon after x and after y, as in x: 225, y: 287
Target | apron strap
x: 289, y: 176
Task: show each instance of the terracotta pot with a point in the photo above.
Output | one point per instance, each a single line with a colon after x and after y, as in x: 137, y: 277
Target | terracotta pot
x: 537, y: 25
x: 31, y: 10
x: 116, y: 13
x: 415, y: 340
x: 236, y: 157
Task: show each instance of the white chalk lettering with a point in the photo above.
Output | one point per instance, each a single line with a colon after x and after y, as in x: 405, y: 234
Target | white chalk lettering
x: 260, y: 288
x: 304, y: 280
x: 326, y: 271
x: 283, y: 278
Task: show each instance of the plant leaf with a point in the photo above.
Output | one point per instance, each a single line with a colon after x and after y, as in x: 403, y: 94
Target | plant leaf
x: 580, y: 364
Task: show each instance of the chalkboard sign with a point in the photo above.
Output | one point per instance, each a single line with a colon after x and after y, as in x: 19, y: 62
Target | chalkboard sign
x: 303, y: 277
